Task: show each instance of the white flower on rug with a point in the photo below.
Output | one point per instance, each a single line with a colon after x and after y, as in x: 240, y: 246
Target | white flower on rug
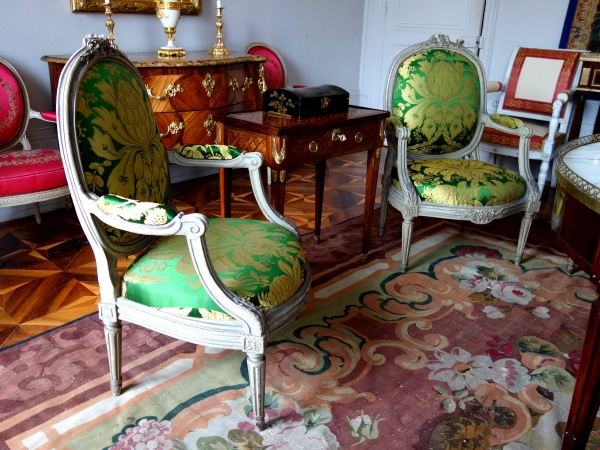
x: 459, y: 369
x: 364, y: 427
x: 147, y: 435
x: 541, y: 312
x: 494, y: 313
x: 511, y: 292
x: 511, y: 374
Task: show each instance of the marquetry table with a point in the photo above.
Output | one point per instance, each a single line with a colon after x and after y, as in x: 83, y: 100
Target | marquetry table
x: 576, y: 219
x: 286, y: 142
x: 589, y: 81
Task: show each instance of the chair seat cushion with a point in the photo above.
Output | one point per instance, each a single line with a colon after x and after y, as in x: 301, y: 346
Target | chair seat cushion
x: 536, y: 143
x: 463, y: 182
x: 28, y: 171
x: 208, y: 151
x: 259, y: 261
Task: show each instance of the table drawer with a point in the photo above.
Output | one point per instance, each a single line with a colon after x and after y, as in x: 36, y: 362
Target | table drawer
x: 331, y: 143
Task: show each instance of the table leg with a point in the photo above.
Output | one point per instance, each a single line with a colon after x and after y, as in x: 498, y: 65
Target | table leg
x: 225, y: 191
x: 577, y: 115
x: 278, y: 189
x: 320, y: 167
x: 586, y: 395
x: 371, y: 190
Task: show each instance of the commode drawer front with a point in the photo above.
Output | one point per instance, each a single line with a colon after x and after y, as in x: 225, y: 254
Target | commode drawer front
x: 330, y: 143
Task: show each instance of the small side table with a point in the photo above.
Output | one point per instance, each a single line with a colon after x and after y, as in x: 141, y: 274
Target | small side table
x: 287, y: 142
x: 589, y: 81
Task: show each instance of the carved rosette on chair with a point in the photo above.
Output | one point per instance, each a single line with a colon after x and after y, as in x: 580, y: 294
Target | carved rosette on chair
x: 225, y: 283
x: 27, y: 175
x: 435, y: 92
x: 168, y: 11
x: 537, y: 92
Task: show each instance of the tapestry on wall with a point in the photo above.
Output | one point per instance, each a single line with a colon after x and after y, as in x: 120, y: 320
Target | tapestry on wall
x: 582, y: 26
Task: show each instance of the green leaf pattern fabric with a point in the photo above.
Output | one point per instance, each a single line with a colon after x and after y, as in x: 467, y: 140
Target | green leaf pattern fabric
x: 119, y: 141
x: 148, y: 213
x: 436, y: 95
x: 463, y: 182
x: 261, y: 262
x: 197, y: 151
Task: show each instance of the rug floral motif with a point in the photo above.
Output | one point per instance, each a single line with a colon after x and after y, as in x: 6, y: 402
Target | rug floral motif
x: 465, y: 351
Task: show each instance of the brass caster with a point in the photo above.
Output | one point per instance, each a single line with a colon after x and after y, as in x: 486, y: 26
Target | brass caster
x: 364, y: 257
x: 316, y: 240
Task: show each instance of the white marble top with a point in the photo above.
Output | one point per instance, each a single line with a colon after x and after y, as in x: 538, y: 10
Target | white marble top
x: 584, y: 161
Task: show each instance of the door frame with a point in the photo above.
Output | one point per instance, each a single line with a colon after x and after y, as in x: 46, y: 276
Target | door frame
x: 372, y: 82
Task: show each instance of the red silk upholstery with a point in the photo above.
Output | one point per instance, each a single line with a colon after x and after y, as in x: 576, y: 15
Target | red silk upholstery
x: 12, y: 108
x: 570, y: 60
x: 493, y: 136
x: 48, y: 115
x: 274, y: 69
x: 28, y: 171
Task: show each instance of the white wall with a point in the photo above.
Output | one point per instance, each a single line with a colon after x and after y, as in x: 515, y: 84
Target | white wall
x: 319, y: 40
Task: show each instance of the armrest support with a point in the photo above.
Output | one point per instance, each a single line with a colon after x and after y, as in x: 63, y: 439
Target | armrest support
x: 493, y: 86
x: 565, y: 96
x: 46, y: 116
x: 410, y: 193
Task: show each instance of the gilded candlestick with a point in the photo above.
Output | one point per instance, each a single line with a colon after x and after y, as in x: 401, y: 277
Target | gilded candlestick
x: 219, y: 48
x: 110, y: 24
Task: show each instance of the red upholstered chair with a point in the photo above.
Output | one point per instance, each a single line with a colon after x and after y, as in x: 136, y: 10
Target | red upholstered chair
x: 537, y: 91
x: 26, y: 175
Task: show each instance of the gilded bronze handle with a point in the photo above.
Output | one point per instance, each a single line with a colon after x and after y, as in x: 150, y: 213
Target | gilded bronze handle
x: 174, y: 128
x: 279, y: 157
x: 337, y: 136
x: 358, y: 137
x: 170, y: 91
x: 236, y: 87
x: 313, y: 147
x: 209, y: 125
x: 208, y: 83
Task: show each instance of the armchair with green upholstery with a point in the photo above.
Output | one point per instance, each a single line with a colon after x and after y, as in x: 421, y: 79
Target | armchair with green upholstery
x: 225, y: 283
x: 436, y: 94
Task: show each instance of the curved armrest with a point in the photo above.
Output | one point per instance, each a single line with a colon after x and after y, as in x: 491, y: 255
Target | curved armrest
x: 47, y: 116
x: 493, y: 86
x: 523, y: 130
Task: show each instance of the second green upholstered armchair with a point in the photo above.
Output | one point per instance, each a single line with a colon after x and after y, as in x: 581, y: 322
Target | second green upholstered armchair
x: 436, y: 93
x: 225, y: 283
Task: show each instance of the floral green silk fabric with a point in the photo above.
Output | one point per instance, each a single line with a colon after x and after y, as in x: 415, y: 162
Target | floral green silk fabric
x: 208, y: 151
x: 259, y: 261
x: 119, y: 142
x: 436, y: 95
x: 148, y: 213
x: 463, y: 182
x: 507, y: 121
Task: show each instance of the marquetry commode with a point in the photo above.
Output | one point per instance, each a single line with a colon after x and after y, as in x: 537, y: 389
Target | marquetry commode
x: 186, y: 94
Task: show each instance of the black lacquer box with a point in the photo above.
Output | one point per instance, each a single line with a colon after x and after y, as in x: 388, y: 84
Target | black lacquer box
x: 304, y: 103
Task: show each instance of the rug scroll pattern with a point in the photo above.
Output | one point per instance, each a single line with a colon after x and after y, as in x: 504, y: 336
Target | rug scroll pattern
x: 466, y: 351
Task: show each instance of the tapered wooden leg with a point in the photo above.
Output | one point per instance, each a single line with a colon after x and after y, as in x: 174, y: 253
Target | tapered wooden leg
x: 225, y: 191
x: 278, y: 190
x: 392, y: 155
x: 523, y: 233
x: 112, y: 334
x: 36, y: 211
x: 371, y: 190
x: 320, y: 167
x: 256, y: 373
x: 586, y: 395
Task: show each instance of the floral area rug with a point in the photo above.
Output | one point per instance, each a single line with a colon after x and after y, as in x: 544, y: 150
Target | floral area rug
x: 466, y: 351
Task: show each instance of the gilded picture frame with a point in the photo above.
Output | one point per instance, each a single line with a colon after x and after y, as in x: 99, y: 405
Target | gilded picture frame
x: 131, y: 6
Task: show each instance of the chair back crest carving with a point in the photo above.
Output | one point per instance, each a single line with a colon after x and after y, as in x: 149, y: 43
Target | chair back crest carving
x: 275, y: 72
x: 13, y: 110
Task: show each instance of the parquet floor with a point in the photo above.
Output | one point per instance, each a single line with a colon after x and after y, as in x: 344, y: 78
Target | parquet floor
x: 48, y: 272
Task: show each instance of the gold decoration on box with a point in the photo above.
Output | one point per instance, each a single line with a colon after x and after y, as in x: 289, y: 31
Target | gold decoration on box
x: 208, y: 83
x: 188, y: 7
x: 236, y: 87
x: 325, y: 102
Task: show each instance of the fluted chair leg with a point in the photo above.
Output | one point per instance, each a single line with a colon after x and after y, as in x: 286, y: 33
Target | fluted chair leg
x: 256, y: 373
x: 113, y: 336
x: 36, y: 210
x: 525, y: 226
x: 407, y: 227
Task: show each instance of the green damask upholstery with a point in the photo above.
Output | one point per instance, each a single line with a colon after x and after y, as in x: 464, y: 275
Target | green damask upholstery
x: 463, y: 182
x: 259, y: 261
x: 507, y: 121
x: 436, y: 95
x: 148, y: 213
x: 208, y: 152
x: 120, y: 145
